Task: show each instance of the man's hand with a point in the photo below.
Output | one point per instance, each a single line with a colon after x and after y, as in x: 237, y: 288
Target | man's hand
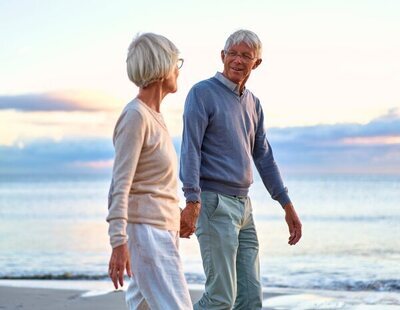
x: 294, y: 224
x: 119, y: 260
x: 189, y: 217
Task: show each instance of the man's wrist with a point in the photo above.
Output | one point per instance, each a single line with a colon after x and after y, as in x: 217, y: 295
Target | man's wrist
x: 194, y: 206
x: 288, y: 207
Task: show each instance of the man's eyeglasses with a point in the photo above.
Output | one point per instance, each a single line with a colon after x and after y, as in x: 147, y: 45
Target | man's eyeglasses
x: 179, y: 64
x: 245, y: 57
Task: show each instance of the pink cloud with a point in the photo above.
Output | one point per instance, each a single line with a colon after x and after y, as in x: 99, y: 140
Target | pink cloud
x: 96, y: 164
x: 67, y: 101
x: 374, y: 140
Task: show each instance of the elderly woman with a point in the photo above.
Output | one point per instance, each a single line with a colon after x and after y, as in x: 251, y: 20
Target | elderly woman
x: 144, y: 217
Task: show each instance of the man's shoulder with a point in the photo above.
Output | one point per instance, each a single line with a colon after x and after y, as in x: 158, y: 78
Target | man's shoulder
x: 253, y: 98
x: 205, y: 85
x: 251, y: 94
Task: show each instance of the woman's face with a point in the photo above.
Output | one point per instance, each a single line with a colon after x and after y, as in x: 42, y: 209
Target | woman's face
x: 170, y: 84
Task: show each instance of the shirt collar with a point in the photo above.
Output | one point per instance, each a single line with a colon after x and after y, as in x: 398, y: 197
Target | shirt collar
x: 228, y: 83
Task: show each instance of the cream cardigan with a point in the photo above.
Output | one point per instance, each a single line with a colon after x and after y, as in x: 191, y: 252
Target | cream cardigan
x: 144, y: 183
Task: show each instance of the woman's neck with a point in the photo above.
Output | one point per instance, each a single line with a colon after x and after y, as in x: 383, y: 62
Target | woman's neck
x: 152, y: 96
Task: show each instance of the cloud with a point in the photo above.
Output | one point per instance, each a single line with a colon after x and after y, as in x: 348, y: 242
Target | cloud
x: 70, y: 155
x: 96, y: 164
x: 387, y: 125
x: 66, y: 101
x: 341, y: 148
x: 49, y: 156
x: 354, y: 148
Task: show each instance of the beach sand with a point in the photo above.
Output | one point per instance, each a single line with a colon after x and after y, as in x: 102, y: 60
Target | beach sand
x: 38, y: 295
x: 12, y: 297
x: 46, y: 299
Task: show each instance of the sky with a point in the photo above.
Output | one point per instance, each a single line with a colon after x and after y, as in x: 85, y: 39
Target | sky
x: 328, y: 83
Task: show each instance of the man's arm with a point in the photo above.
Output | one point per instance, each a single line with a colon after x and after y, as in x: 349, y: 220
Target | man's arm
x: 271, y: 177
x: 195, y: 122
x: 265, y: 163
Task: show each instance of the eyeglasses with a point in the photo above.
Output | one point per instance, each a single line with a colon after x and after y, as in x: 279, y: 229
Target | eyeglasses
x: 244, y: 57
x: 179, y: 63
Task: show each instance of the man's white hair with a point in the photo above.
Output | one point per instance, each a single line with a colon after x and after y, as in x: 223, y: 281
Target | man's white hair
x: 244, y: 36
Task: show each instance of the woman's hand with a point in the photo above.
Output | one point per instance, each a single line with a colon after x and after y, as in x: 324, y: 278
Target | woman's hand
x: 119, y: 261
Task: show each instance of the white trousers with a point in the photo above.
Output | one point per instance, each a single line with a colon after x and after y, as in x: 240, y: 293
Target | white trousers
x: 158, y: 281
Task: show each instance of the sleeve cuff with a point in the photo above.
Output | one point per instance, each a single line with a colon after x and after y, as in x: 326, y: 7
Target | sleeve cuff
x: 117, y: 242
x: 284, y: 199
x: 117, y: 232
x: 193, y: 197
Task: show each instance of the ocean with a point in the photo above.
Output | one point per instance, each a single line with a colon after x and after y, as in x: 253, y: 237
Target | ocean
x: 53, y: 227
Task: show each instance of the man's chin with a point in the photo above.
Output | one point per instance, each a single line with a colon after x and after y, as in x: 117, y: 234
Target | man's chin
x: 236, y: 77
x: 235, y: 80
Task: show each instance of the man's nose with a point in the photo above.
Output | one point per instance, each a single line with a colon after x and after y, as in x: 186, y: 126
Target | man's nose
x: 238, y: 58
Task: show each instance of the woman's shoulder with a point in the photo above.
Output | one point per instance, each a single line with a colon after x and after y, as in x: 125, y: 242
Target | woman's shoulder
x: 135, y: 106
x: 133, y: 114
x: 135, y: 109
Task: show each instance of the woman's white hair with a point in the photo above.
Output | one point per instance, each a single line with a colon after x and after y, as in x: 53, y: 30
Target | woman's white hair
x: 244, y: 36
x: 150, y: 57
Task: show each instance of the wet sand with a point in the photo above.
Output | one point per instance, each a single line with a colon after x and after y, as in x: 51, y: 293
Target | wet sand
x: 46, y: 298
x: 57, y: 295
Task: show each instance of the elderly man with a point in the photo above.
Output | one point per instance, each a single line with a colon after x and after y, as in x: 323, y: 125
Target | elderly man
x: 223, y: 133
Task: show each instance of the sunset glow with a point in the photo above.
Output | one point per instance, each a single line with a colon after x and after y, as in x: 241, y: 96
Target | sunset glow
x: 373, y: 140
x: 63, y: 80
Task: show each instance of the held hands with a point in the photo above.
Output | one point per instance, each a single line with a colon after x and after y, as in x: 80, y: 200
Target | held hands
x: 119, y: 260
x: 294, y: 224
x: 189, y: 217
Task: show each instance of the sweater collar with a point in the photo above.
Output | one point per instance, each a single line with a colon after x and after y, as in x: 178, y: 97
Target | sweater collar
x: 228, y: 83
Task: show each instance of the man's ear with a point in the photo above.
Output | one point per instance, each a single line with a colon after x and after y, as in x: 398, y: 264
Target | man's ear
x: 222, y: 55
x: 257, y: 63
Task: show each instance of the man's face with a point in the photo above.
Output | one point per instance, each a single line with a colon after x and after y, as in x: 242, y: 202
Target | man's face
x: 238, y: 61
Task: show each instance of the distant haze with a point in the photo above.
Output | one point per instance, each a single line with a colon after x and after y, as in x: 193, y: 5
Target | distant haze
x: 328, y: 83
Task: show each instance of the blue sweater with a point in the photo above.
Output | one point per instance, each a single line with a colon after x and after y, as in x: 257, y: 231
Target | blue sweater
x: 223, y: 132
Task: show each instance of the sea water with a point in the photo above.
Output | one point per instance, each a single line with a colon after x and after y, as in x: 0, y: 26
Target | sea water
x: 53, y: 227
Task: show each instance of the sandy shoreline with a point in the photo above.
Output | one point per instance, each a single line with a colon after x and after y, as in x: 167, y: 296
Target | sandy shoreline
x: 46, y: 295
x: 46, y: 299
